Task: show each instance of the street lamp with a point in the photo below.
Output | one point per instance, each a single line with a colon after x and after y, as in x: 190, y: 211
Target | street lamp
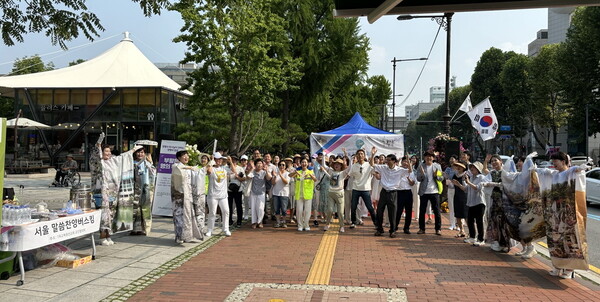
x: 444, y: 20
x: 394, y: 87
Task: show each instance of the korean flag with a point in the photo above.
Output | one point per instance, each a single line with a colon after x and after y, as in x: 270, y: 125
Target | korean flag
x: 484, y: 119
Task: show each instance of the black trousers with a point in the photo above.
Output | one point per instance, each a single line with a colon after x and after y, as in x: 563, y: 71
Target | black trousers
x: 475, y: 215
x: 366, y: 196
x: 237, y: 197
x: 387, y: 199
x: 405, y: 203
x: 435, y: 207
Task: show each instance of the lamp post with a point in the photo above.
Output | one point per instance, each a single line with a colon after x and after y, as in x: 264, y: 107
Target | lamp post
x: 444, y: 20
x: 394, y: 87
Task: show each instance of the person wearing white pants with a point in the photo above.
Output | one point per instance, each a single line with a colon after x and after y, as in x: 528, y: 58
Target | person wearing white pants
x: 257, y: 192
x: 217, y: 194
x: 448, y: 174
x: 304, y: 191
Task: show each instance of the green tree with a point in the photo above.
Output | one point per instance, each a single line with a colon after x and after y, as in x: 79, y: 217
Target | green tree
x: 581, y: 73
x: 78, y: 61
x: 238, y: 44
x: 551, y: 108
x: 31, y: 64
x: 61, y: 20
x: 334, y: 58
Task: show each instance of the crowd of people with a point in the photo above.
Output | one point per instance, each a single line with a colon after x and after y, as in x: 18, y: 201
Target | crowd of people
x: 321, y: 188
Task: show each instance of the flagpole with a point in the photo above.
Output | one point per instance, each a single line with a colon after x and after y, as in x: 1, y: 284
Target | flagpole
x: 459, y: 116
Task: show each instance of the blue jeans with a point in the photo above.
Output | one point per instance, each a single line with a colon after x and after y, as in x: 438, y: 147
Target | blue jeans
x: 366, y: 196
x: 280, y: 205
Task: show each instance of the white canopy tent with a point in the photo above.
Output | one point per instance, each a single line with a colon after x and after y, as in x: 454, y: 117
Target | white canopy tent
x: 122, y: 66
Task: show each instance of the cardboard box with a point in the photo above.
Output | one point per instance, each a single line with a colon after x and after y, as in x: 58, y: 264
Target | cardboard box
x: 75, y: 263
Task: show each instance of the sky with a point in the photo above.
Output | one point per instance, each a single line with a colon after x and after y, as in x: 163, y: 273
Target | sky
x: 472, y: 34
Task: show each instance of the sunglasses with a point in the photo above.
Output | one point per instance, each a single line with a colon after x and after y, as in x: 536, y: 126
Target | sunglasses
x: 282, y: 165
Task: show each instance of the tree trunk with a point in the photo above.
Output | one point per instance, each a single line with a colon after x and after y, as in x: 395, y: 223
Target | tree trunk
x: 285, y: 121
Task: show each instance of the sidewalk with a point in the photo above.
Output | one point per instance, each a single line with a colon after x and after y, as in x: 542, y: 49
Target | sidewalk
x: 265, y: 264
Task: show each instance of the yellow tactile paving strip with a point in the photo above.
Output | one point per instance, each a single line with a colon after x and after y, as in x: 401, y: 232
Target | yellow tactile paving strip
x: 320, y: 271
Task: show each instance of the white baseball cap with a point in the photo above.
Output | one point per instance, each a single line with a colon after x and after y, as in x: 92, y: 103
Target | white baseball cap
x: 217, y: 155
x: 244, y: 157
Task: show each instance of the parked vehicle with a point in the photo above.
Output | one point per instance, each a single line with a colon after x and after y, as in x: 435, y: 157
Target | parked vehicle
x: 592, y: 186
x: 580, y: 160
x: 545, y: 164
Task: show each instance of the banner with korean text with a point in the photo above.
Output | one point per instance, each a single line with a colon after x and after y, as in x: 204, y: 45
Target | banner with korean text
x: 31, y: 236
x: 162, y: 190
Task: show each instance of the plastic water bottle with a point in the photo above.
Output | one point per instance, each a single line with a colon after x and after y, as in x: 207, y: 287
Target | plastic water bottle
x: 10, y: 217
x: 5, y: 212
x: 19, y: 215
x: 26, y: 214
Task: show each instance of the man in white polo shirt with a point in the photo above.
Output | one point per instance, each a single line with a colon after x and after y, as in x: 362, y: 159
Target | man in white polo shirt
x: 390, y: 182
x: 217, y: 194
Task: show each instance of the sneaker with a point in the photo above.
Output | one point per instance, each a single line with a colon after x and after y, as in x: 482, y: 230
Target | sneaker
x: 452, y: 227
x: 421, y: 232
x: 529, y: 252
x: 239, y: 224
x: 567, y: 274
x: 260, y: 226
x: 407, y: 232
x: 283, y: 225
x: 245, y: 217
x: 429, y: 221
x: 208, y: 234
x: 227, y: 233
x: 393, y: 235
x: 438, y: 232
x: 110, y: 241
x: 495, y: 246
x: 352, y: 226
x: 254, y: 225
x: 556, y: 272
x: 307, y: 229
x: 378, y: 233
x: 360, y: 222
x: 469, y: 240
x: 276, y: 225
x: 179, y: 241
x: 315, y: 222
x: 300, y: 229
x: 326, y: 228
x: 104, y: 242
x: 342, y: 230
x: 478, y: 243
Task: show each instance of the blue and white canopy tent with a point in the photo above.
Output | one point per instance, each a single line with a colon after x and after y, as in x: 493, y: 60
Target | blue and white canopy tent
x: 354, y: 135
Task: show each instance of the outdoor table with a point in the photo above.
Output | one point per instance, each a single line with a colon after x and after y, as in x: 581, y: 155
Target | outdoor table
x: 25, y: 237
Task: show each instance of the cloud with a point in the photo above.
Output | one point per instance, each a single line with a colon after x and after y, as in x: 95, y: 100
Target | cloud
x: 377, y: 54
x: 518, y: 48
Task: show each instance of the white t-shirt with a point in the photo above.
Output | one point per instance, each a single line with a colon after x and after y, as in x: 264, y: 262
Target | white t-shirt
x: 280, y: 188
x: 232, y: 173
x: 431, y: 184
x: 336, y: 179
x: 217, y: 184
x: 362, y: 176
x: 404, y: 184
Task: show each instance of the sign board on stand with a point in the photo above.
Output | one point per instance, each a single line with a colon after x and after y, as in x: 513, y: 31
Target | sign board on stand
x: 162, y: 190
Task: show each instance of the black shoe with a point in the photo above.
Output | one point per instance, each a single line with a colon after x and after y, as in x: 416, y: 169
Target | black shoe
x: 239, y: 224
x: 393, y: 235
x: 336, y: 216
x: 273, y: 218
x: 378, y: 233
x: 406, y: 232
x: 438, y: 232
x: 316, y: 222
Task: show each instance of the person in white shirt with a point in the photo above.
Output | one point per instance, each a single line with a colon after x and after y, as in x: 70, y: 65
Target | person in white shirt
x: 217, y: 194
x: 246, y: 185
x: 281, y: 193
x: 405, y: 196
x: 390, y: 181
x: 336, y: 175
x: 361, y: 171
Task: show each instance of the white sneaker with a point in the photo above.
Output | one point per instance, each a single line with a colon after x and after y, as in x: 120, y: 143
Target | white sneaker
x: 452, y: 227
x: 105, y: 242
x: 307, y: 229
x: 326, y: 228
x: 352, y: 226
x: 495, y: 246
x: 567, y: 274
x: 208, y: 234
x: 478, y: 243
x: 342, y: 230
x: 228, y: 233
x: 299, y: 229
x: 469, y: 240
x: 110, y: 241
x: 179, y: 241
x: 529, y: 251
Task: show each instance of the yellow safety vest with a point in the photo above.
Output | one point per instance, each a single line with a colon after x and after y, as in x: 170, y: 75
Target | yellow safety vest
x: 308, y: 185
